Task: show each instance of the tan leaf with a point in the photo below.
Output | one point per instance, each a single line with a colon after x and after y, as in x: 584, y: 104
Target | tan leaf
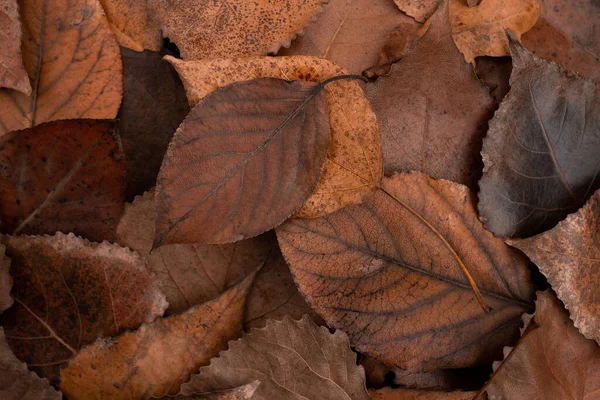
x: 554, y: 361
x: 6, y: 281
x: 408, y: 394
x: 12, y: 70
x: 413, y: 252
x: 132, y: 25
x: 429, y: 122
x: 245, y: 392
x: 480, y: 30
x: 350, y: 33
x: 157, y: 358
x: 293, y: 360
x: 68, y: 292
x: 72, y: 59
x: 232, y: 28
x: 354, y: 164
x: 420, y: 10
x: 190, y: 274
x: 569, y: 256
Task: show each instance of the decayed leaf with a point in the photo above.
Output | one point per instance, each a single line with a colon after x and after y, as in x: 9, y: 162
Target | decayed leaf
x: 429, y: 121
x: 293, y: 360
x: 132, y: 25
x: 420, y: 10
x: 354, y: 162
x: 480, y: 31
x: 73, y: 62
x: 390, y: 272
x: 63, y: 176
x: 568, y: 32
x: 12, y: 70
x: 245, y: 392
x: 495, y: 74
x: 553, y: 362
x: 154, y: 104
x: 157, y: 358
x: 569, y: 256
x: 189, y: 274
x: 407, y: 394
x: 350, y: 33
x: 68, y: 292
x: 541, y: 151
x: 6, y: 281
x: 232, y: 28
x: 245, y: 158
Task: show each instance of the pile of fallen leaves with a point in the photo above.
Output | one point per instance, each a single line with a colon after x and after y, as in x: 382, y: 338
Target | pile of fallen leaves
x: 300, y: 199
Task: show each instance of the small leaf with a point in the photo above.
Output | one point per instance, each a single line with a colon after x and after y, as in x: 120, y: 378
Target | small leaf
x: 293, y: 360
x: 132, y: 25
x: 420, y: 10
x: 12, y: 70
x: 407, y: 394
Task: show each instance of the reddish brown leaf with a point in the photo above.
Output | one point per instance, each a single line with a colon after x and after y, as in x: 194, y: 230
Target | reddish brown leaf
x: 408, y: 394
x: 429, y: 122
x: 541, y: 151
x: 132, y: 25
x: 495, y: 74
x: 245, y: 158
x: 391, y: 272
x: 157, y: 358
x: 6, y: 281
x: 68, y: 292
x: 63, y: 176
x: 12, y: 70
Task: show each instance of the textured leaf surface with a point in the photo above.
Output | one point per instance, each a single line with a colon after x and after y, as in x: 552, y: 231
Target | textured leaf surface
x: 554, y: 362
x: 420, y: 10
x: 63, y: 176
x: 291, y: 359
x: 495, y: 74
x: 68, y: 292
x: 132, y: 25
x: 569, y: 256
x: 12, y: 70
x: 354, y: 162
x: 244, y: 392
x: 5, y: 280
x: 245, y: 158
x: 157, y: 358
x: 388, y: 272
x: 407, y: 394
x: 432, y: 110
x: 541, y: 151
x: 232, y: 28
x: 73, y: 62
x: 190, y: 274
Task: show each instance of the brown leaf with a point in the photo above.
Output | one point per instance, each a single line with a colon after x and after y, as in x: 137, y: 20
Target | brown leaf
x: 569, y: 256
x: 420, y: 10
x: 245, y: 392
x: 132, y: 25
x: 568, y: 32
x: 68, y: 292
x: 553, y: 362
x: 63, y: 176
x: 157, y: 358
x: 72, y: 59
x: 407, y: 394
x: 12, y: 70
x: 429, y: 122
x: 190, y: 274
x: 6, y: 281
x: 245, y: 158
x: 354, y: 163
x: 495, y: 74
x: 233, y: 28
x: 154, y: 104
x: 541, y: 151
x: 400, y: 255
x: 291, y: 359
x: 350, y: 33
x: 480, y: 30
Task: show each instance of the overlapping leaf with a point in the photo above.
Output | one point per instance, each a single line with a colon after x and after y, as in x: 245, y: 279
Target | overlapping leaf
x: 132, y: 24
x: 5, y: 280
x: 12, y: 70
x: 420, y: 10
x: 407, y: 394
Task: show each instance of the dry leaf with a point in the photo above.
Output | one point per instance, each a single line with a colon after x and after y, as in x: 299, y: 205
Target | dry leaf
x: 568, y: 32
x: 495, y: 74
x: 569, y: 256
x: 430, y: 122
x: 292, y: 360
x: 245, y: 158
x: 12, y: 70
x: 244, y: 392
x: 157, y: 358
x: 132, y: 25
x: 154, y: 104
x: 553, y: 362
x: 232, y: 28
x: 541, y: 151
x: 480, y: 31
x: 389, y: 272
x: 68, y: 292
x: 354, y: 162
x: 420, y: 10
x: 189, y: 274
x: 350, y: 33
x: 407, y: 394
x: 6, y: 281
x: 63, y: 176
x: 72, y: 59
